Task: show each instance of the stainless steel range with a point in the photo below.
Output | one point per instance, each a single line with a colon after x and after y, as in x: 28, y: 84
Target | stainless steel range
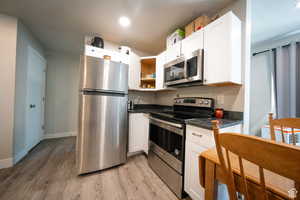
x: 167, y: 139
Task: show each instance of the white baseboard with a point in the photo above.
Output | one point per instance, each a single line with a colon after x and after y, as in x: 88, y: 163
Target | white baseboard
x: 59, y: 135
x: 5, y: 163
x: 20, y: 155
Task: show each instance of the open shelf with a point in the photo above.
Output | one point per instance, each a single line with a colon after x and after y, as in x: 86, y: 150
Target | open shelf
x: 148, y: 79
x: 148, y: 69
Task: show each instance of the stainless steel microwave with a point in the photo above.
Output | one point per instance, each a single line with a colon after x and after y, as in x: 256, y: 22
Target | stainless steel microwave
x: 185, y: 70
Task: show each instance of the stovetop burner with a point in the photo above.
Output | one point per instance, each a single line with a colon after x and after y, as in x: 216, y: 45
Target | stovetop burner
x: 184, y: 115
x: 187, y: 108
x: 181, y: 117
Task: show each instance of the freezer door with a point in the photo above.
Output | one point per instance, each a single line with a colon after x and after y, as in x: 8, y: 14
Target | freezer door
x: 102, y: 135
x: 104, y: 75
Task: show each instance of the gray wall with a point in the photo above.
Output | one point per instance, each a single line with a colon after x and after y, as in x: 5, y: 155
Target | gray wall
x: 61, y: 93
x: 25, y: 39
x: 229, y: 98
x: 8, y: 38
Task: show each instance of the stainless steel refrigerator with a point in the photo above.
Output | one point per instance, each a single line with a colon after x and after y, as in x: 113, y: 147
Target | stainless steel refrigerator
x: 102, y: 135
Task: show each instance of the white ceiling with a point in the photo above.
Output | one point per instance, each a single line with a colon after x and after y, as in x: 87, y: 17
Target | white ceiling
x: 273, y: 18
x: 61, y: 24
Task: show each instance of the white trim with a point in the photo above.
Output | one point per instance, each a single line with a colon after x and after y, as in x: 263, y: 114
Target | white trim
x: 247, y: 69
x: 59, y: 135
x: 20, y: 155
x: 5, y: 163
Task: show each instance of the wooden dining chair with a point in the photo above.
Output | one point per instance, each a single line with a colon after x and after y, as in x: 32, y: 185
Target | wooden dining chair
x: 293, y: 123
x: 279, y: 158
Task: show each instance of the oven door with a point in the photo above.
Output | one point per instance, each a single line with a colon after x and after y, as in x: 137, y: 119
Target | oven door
x: 194, y: 66
x: 175, y: 72
x: 167, y: 142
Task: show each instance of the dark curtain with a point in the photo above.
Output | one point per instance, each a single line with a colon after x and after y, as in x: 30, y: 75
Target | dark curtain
x: 287, y: 80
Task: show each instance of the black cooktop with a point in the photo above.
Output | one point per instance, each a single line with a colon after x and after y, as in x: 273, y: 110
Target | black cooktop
x: 182, y: 115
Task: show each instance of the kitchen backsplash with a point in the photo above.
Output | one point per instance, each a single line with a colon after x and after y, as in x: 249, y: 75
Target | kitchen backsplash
x: 142, y: 97
x: 230, y: 98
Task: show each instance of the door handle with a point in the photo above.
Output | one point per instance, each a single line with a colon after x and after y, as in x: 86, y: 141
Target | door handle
x: 32, y: 106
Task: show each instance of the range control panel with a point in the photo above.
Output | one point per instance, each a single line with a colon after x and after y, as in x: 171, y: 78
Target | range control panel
x: 195, y: 101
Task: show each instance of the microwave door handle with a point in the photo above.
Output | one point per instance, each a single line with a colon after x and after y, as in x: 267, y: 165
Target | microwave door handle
x: 200, y: 64
x: 185, y: 69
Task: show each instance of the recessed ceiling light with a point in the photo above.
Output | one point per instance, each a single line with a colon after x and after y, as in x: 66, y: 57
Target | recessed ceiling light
x: 124, y: 21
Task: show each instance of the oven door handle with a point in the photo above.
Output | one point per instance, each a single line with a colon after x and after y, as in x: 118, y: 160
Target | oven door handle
x: 166, y: 122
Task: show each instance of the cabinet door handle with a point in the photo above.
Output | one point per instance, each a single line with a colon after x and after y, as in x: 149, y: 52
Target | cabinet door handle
x: 197, y: 135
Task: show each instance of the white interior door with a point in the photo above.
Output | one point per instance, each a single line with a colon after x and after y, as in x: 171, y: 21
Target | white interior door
x: 35, y: 98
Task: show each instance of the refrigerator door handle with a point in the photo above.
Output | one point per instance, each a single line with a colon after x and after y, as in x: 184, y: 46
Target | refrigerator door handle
x: 102, y: 92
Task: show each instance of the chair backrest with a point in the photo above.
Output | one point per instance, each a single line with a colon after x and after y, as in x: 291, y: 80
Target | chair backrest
x: 293, y: 123
x: 279, y: 158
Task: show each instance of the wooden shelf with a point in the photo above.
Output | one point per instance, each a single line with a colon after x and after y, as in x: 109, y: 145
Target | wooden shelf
x: 148, y: 79
x: 149, y: 61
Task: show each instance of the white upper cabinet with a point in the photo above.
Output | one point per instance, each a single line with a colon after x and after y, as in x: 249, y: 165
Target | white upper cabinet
x: 160, y: 61
x: 173, y: 52
x: 222, y: 51
x: 134, y: 72
x: 191, y: 177
x: 192, y: 43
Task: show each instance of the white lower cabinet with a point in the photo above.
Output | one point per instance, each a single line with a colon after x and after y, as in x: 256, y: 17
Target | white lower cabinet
x: 197, y: 141
x: 138, y: 132
x: 191, y: 180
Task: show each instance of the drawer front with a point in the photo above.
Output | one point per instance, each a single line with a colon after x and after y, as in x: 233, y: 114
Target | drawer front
x: 205, y: 137
x: 166, y: 173
x: 200, y: 136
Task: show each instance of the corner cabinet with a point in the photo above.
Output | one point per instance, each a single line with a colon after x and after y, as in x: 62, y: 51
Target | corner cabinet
x: 222, y: 51
x: 134, y: 72
x: 160, y: 61
x: 197, y: 141
x: 138, y: 133
x: 142, y: 70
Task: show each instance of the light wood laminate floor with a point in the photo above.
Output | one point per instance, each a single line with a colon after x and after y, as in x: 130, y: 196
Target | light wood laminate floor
x: 49, y: 172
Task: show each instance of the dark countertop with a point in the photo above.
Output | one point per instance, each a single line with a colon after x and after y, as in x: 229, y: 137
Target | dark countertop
x: 206, y: 123
x: 231, y: 118
x: 148, y: 108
